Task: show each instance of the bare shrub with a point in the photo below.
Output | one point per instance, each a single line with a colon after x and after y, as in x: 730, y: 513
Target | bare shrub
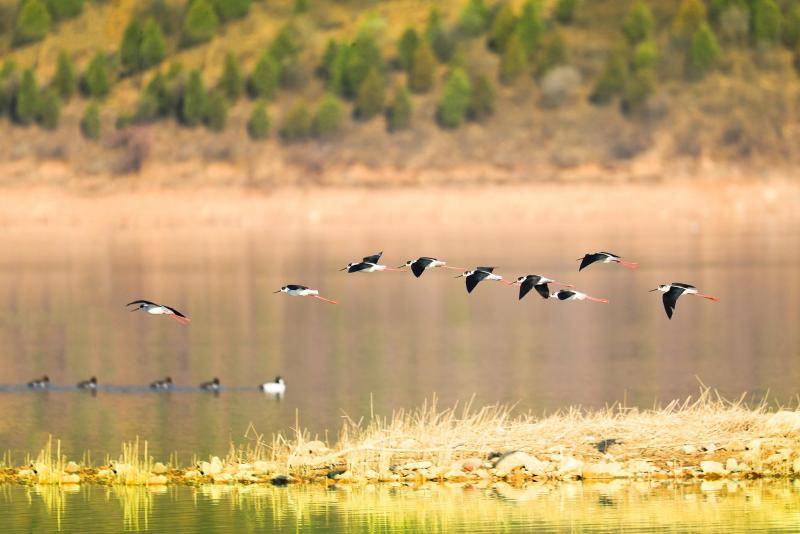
x: 559, y: 85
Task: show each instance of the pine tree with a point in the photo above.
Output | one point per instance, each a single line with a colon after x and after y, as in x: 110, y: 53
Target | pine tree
x: 49, y: 110
x: 200, y: 24
x: 371, y: 96
x: 300, y: 6
x: 90, y: 122
x: 216, y: 111
x: 95, y: 81
x: 33, y: 22
x: 638, y: 89
x: 503, y: 26
x: 230, y: 83
x: 456, y: 96
x: 407, y: 47
x: 554, y: 53
x: 156, y: 100
x: 474, y: 18
x: 398, y: 116
x: 791, y: 33
x: 154, y: 45
x: 481, y: 104
x: 296, y: 124
x: 530, y: 26
x: 64, y: 9
x: 326, y: 66
x: 363, y: 56
x: 564, y: 12
x: 612, y: 81
x: 703, y: 53
x: 645, y: 55
x: 8, y: 79
x: 691, y: 14
x: 513, y: 62
x: 328, y: 118
x: 264, y: 80
x: 193, y: 103
x: 438, y: 37
x: 767, y: 19
x: 64, y: 79
x: 423, y: 64
x: 231, y: 9
x: 130, y: 49
x: 287, y: 43
x: 639, y: 23
x: 258, y: 124
x: 26, y: 102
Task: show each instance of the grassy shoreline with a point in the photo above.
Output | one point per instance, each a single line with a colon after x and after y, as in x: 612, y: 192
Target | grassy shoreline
x: 706, y: 438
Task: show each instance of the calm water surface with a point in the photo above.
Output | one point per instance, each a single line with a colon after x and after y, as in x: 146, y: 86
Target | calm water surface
x: 610, y: 507
x: 392, y: 342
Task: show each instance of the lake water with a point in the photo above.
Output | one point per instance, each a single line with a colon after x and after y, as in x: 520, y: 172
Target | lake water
x: 394, y: 340
x: 569, y: 507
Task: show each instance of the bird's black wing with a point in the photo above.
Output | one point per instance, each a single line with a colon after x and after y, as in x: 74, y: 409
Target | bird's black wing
x: 295, y: 287
x: 358, y: 267
x: 374, y: 258
x: 543, y: 290
x: 525, y: 287
x: 142, y: 302
x: 176, y: 312
x: 589, y: 259
x: 564, y: 294
x: 670, y: 299
x: 486, y: 269
x: 473, y: 280
x: 418, y: 267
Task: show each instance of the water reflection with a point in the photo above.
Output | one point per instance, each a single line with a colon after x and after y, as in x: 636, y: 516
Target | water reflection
x: 600, y: 507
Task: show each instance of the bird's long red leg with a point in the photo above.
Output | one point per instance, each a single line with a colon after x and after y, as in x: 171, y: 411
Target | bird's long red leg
x: 709, y: 297
x: 595, y: 299
x: 561, y: 284
x: 628, y: 264
x: 323, y: 298
x: 182, y: 320
x: 454, y: 268
x: 393, y: 269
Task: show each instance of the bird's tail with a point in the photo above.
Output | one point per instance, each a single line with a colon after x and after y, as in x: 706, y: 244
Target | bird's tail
x: 595, y: 299
x: 628, y: 264
x: 182, y: 320
x: 324, y: 299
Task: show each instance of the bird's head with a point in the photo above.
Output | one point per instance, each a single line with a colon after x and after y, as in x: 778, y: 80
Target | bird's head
x: 284, y: 289
x: 464, y: 274
x: 406, y: 264
x: 519, y: 280
x: 347, y: 266
x: 278, y: 380
x: 662, y: 287
x: 168, y: 380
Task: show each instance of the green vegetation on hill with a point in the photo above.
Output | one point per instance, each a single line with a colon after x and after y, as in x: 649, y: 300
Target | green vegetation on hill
x: 330, y: 66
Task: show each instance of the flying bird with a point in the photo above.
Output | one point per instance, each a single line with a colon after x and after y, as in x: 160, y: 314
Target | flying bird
x: 420, y: 265
x: 90, y: 384
x: 672, y: 292
x: 604, y: 257
x: 278, y: 387
x: 369, y: 264
x: 159, y: 309
x: 162, y: 384
x: 302, y: 291
x: 477, y: 275
x: 211, y: 385
x: 571, y: 294
x: 40, y: 383
x: 537, y: 282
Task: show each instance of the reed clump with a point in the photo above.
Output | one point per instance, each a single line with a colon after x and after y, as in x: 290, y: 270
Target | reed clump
x: 705, y: 437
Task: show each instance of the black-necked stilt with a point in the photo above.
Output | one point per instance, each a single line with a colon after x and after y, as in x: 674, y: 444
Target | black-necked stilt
x: 90, y: 384
x: 159, y: 309
x: 302, y: 291
x: 604, y: 257
x: 419, y: 265
x: 211, y: 385
x: 369, y: 264
x: 278, y: 387
x: 40, y: 383
x: 162, y: 384
x: 538, y: 282
x: 673, y: 291
x: 479, y: 274
x: 571, y: 294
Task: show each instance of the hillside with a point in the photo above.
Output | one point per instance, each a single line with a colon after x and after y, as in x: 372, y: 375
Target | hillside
x: 276, y: 92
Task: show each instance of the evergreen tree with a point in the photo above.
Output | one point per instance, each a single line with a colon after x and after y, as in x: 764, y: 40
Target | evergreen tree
x: 328, y: 118
x: 300, y: 6
x: 64, y: 79
x: 264, y: 80
x: 456, y: 96
x: 398, y: 116
x: 503, y: 26
x: 95, y: 81
x: 156, y: 100
x: 231, y: 9
x: 513, y: 61
x: 791, y: 33
x: 703, y: 53
x: 49, y: 110
x: 154, y: 45
x: 33, y: 22
x: 439, y: 38
x: 645, y: 55
x: 767, y: 19
x: 481, y: 104
x: 474, y: 18
x: 90, y: 122
x: 287, y: 43
x: 193, y: 103
x: 130, y: 49
x: 638, y: 89
x: 64, y: 9
x: 554, y: 53
x: 363, y: 56
x: 258, y: 124
x: 639, y: 23
x: 296, y: 124
x: 8, y: 80
x: 612, y: 80
x: 327, y: 65
x: 230, y: 83
x: 407, y: 47
x: 564, y: 12
x: 530, y: 26
x: 371, y: 96
x: 26, y: 102
x: 200, y: 24
x: 423, y: 64
x: 216, y: 111
x: 691, y: 14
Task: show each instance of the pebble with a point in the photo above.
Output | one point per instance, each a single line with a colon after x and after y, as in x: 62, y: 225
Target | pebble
x: 570, y: 467
x: 214, y: 467
x: 604, y: 469
x: 456, y: 475
x: 70, y: 479
x: 732, y: 465
x: 72, y: 468
x: 641, y: 467
x: 262, y: 467
x: 414, y: 466
x: 156, y: 480
x: 511, y: 461
x: 159, y: 469
x: 689, y: 449
x: 709, y: 467
x: 796, y: 465
x: 471, y: 464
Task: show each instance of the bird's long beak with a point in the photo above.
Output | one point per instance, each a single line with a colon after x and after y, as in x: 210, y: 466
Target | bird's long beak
x: 343, y: 269
x: 135, y: 309
x: 278, y: 291
x: 514, y: 282
x: 459, y: 276
x: 402, y: 266
x: 656, y: 289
